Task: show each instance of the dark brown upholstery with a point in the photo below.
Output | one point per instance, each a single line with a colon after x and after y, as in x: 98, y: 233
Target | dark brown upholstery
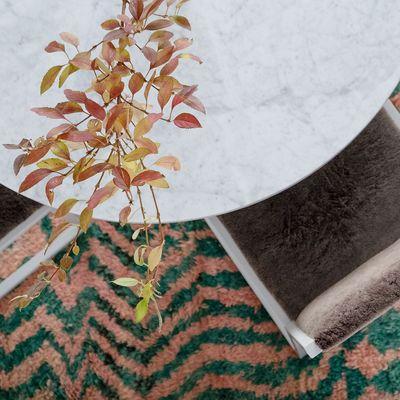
x: 14, y: 209
x: 306, y: 239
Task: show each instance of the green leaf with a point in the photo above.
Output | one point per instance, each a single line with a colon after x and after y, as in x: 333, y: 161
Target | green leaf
x: 127, y: 282
x: 141, y: 310
x: 49, y: 78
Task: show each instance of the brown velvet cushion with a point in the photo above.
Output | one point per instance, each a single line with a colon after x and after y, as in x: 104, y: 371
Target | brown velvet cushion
x: 306, y: 239
x: 14, y: 209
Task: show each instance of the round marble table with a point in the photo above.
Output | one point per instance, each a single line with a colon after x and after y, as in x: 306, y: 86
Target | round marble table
x: 287, y: 85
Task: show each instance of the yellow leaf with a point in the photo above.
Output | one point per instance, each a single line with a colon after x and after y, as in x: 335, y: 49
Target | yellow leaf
x: 143, y: 127
x: 60, y: 149
x: 49, y: 78
x: 57, y: 232
x: 65, y: 208
x: 85, y: 218
x: 159, y: 183
x: 141, y: 310
x: 155, y: 257
x: 137, y: 154
x: 55, y: 164
x: 67, y: 71
x: 76, y: 249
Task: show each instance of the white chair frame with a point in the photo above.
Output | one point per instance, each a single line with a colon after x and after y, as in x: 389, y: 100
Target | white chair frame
x: 33, y: 263
x: 298, y: 339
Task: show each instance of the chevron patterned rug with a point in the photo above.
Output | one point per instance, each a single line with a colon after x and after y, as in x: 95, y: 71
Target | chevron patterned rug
x: 79, y: 340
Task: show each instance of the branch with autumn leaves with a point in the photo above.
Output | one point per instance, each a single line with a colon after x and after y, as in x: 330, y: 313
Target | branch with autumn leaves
x: 104, y: 137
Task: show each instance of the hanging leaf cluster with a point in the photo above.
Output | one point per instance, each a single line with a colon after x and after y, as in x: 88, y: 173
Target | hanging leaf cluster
x: 102, y: 136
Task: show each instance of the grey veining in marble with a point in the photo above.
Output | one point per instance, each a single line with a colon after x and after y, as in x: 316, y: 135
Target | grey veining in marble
x: 287, y: 85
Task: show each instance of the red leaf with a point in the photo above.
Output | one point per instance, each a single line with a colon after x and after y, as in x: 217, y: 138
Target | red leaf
x: 113, y: 35
x: 54, y: 46
x: 92, y: 171
x: 150, y: 54
x: 195, y: 103
x: 151, y: 8
x: 77, y: 136
x: 170, y: 67
x: 136, y: 8
x: 146, y: 176
x: 73, y: 95
x: 99, y: 195
x: 187, y: 121
x: 33, y: 178
x: 158, y: 24
x: 95, y: 109
x: 48, y: 112
x: 59, y: 129
x: 184, y: 94
x: 122, y: 178
x: 51, y: 185
x: 82, y: 61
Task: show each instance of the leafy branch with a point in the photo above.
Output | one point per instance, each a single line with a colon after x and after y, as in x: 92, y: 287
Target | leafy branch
x: 120, y: 108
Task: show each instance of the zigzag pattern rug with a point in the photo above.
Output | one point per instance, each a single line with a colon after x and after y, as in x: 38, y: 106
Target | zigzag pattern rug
x: 79, y: 340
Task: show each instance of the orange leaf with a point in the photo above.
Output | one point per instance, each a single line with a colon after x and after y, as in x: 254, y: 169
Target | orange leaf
x: 136, y: 83
x: 95, y: 109
x: 65, y: 208
x: 36, y: 154
x: 165, y: 93
x: 187, y: 121
x: 146, y: 124
x: 33, y: 178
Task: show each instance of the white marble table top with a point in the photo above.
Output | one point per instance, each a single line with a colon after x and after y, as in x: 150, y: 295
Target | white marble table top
x: 287, y: 85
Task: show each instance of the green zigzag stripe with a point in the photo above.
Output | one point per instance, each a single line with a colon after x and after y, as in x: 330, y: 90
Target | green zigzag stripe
x: 383, y: 381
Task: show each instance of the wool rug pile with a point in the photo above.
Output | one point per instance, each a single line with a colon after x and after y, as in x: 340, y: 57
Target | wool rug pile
x: 79, y: 340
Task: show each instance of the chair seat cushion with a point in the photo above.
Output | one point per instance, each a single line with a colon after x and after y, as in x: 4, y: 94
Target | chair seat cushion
x: 305, y: 240
x: 360, y: 297
x: 14, y: 209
